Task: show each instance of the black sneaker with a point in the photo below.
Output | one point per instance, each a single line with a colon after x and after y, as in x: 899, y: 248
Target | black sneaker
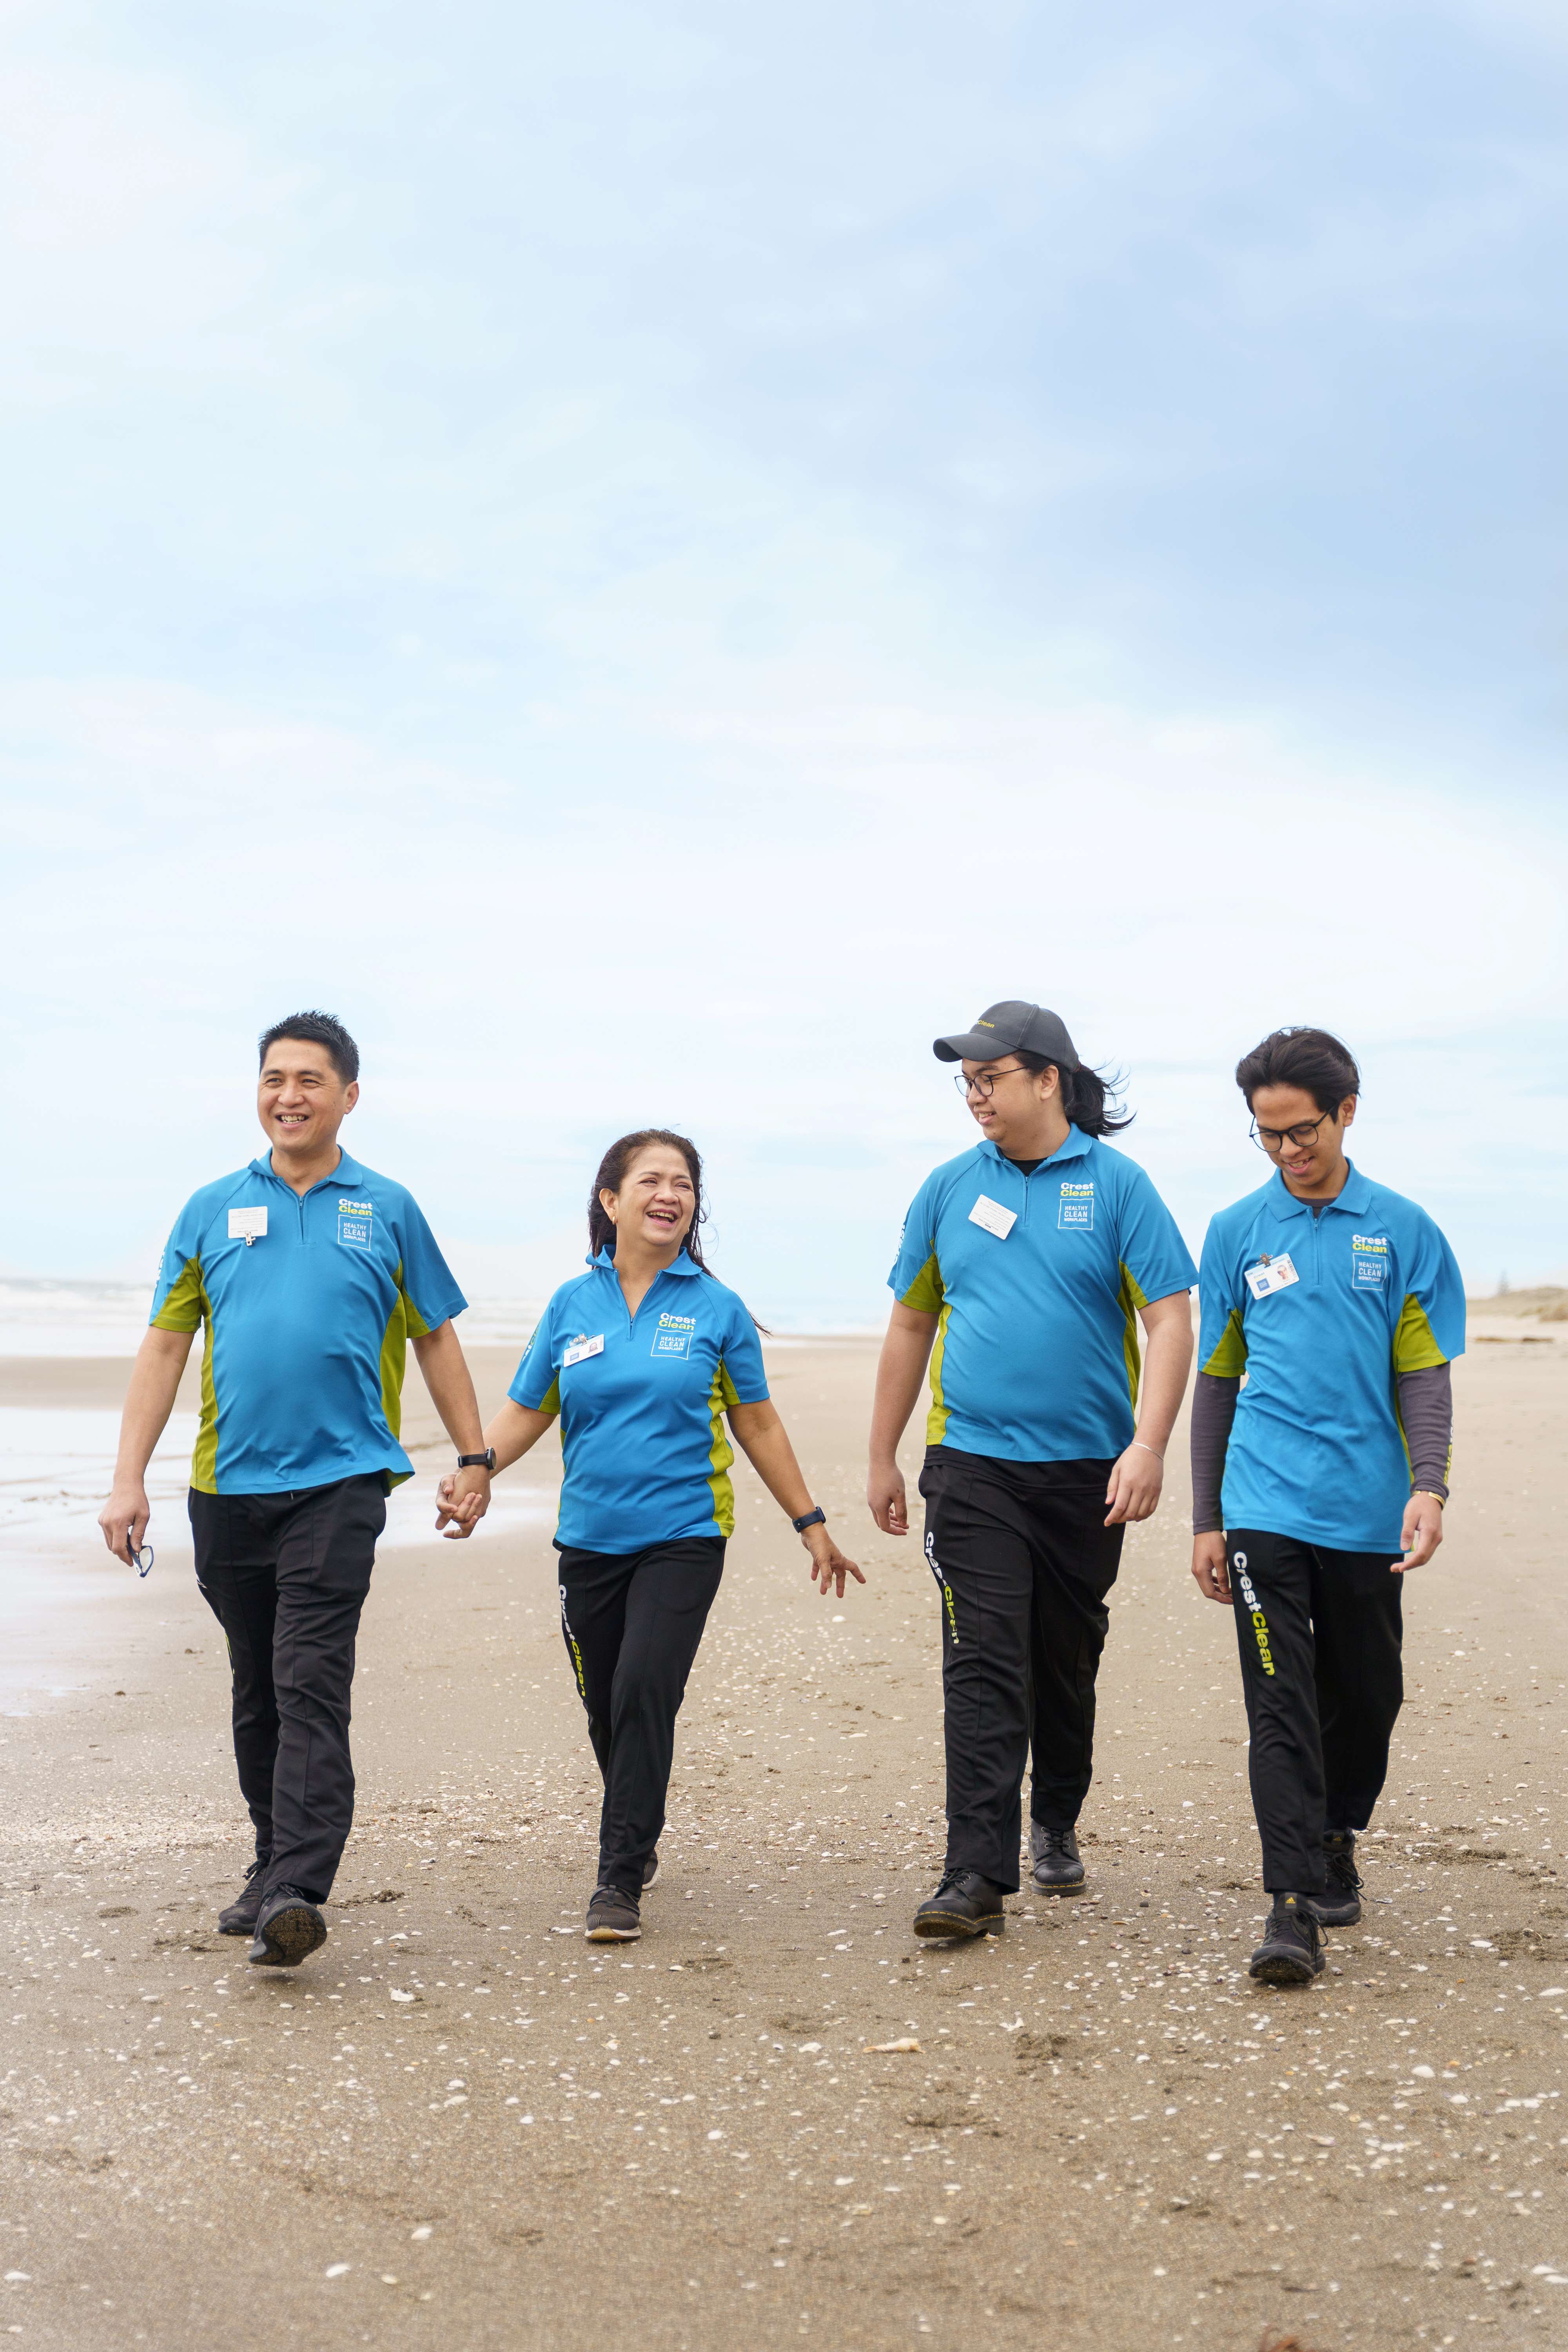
x: 965, y: 1904
x: 288, y: 1929
x: 1338, y: 1905
x: 239, y: 1917
x: 650, y: 1870
x: 613, y: 1917
x: 1056, y: 1867
x: 1291, y: 1952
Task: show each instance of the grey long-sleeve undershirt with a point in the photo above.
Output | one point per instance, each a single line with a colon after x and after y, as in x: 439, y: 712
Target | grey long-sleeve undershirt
x: 1425, y: 1410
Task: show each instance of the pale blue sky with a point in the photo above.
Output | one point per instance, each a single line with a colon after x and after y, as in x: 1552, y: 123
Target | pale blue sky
x: 651, y: 558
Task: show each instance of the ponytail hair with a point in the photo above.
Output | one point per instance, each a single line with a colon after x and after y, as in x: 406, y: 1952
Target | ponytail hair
x: 1089, y: 1101
x: 612, y: 1175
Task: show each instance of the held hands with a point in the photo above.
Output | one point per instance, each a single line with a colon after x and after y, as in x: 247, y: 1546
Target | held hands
x: 462, y: 1498
x: 890, y: 1505
x: 123, y: 1519
x: 827, y: 1561
x: 1136, y: 1479
x: 1421, y: 1533
x: 1210, y: 1568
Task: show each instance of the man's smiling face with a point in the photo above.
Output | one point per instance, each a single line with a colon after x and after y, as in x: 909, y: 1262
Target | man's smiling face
x: 300, y: 1100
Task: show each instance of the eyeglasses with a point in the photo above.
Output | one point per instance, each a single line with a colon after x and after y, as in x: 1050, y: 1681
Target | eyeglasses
x: 1275, y: 1139
x: 140, y: 1559
x: 985, y: 1084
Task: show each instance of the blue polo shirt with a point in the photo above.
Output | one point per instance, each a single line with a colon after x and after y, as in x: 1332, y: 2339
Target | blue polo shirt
x: 307, y: 1323
x: 1316, y: 1450
x: 1036, y: 1346
x: 642, y: 1402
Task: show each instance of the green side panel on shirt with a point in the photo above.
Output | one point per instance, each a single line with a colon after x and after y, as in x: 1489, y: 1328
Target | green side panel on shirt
x: 936, y: 1419
x: 1230, y: 1359
x: 550, y: 1401
x: 185, y: 1305
x: 925, y: 1293
x: 394, y: 1363
x: 720, y: 1397
x: 1414, y: 1347
x: 203, y: 1460
x: 1131, y: 1299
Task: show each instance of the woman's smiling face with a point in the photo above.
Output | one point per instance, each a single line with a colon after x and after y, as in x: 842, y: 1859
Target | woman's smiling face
x: 657, y: 1199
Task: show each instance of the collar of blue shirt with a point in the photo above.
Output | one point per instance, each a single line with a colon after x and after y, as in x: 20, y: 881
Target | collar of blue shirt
x: 682, y: 1264
x: 1354, y: 1197
x: 349, y: 1174
x: 1074, y: 1147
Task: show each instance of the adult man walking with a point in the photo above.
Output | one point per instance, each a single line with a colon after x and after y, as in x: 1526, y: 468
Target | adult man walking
x: 1318, y: 1486
x: 1023, y: 1268
x: 309, y: 1272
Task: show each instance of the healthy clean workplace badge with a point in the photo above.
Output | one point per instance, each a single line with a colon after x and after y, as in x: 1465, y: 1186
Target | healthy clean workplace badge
x: 354, y: 1224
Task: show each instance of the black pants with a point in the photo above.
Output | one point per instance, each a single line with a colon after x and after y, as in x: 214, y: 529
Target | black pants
x: 1320, y: 1635
x: 286, y: 1576
x: 1022, y: 1560
x: 632, y: 1620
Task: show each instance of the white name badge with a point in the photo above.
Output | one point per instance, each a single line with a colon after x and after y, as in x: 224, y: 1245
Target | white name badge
x: 581, y: 1349
x: 994, y: 1217
x: 1278, y: 1274
x: 247, y: 1224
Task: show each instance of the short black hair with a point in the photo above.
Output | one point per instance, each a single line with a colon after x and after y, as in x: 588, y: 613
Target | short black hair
x: 1313, y: 1059
x: 319, y: 1029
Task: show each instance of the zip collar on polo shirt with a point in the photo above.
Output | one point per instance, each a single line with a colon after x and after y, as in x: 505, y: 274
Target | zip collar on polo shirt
x: 1075, y: 1147
x: 682, y: 1264
x: 1354, y: 1197
x: 349, y: 1174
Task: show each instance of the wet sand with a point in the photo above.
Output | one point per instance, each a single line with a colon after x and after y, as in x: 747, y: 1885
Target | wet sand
x: 460, y: 2125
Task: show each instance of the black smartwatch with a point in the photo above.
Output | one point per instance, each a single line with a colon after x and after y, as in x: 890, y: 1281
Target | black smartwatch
x: 485, y: 1461
x: 816, y: 1519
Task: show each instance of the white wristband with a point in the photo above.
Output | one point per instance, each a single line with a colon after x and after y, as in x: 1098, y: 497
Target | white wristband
x: 1138, y: 1441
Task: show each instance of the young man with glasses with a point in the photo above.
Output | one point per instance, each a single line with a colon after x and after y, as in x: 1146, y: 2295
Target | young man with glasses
x: 1322, y: 1483
x: 310, y: 1273
x: 1023, y: 1271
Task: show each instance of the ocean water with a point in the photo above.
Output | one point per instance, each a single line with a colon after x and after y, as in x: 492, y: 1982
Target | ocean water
x: 44, y: 1318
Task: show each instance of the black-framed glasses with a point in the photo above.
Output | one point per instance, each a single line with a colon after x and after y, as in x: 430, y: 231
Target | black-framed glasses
x: 141, y: 1558
x: 984, y: 1086
x: 1275, y: 1139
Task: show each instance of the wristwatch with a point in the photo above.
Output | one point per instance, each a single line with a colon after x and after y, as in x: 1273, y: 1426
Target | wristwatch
x: 485, y: 1461
x: 815, y: 1518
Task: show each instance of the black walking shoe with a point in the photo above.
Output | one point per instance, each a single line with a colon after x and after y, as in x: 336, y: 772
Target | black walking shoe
x: 1291, y: 1952
x: 1056, y: 1867
x: 650, y: 1870
x: 239, y: 1917
x: 613, y: 1917
x: 1338, y: 1905
x: 965, y: 1904
x: 288, y: 1929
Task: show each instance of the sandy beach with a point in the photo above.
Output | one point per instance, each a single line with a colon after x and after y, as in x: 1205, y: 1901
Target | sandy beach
x: 778, y: 2118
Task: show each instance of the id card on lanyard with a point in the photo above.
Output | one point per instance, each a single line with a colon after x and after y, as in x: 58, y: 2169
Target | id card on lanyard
x: 1269, y: 1274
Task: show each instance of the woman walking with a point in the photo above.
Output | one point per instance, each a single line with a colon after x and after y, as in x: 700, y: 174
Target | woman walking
x: 643, y: 1357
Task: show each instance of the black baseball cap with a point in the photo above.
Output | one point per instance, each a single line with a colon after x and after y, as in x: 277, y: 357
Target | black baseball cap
x: 1012, y: 1028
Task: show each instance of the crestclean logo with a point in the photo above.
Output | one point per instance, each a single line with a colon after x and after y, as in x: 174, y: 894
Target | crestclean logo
x: 1077, y: 1210
x: 354, y: 1208
x: 1378, y: 1241
x: 678, y: 1322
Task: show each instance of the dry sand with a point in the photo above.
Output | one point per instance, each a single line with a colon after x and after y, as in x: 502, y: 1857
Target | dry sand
x: 461, y: 2127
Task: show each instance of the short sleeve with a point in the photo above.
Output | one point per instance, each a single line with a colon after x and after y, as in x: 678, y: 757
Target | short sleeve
x: 178, y: 1300
x: 424, y: 1276
x: 741, y: 1361
x: 1431, y: 1327
x: 916, y: 1278
x: 1222, y: 1341
x: 1154, y: 1259
x: 536, y: 1383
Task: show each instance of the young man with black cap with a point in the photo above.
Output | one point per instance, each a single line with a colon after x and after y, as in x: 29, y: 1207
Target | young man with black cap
x: 310, y: 1273
x: 1023, y: 1269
